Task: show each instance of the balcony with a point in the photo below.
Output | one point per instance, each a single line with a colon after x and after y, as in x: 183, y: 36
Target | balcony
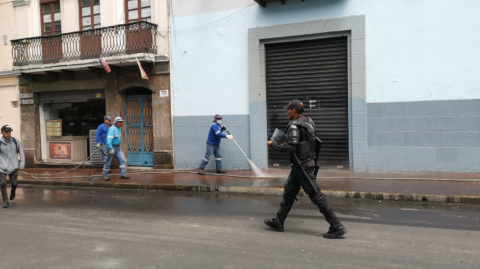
x: 64, y: 49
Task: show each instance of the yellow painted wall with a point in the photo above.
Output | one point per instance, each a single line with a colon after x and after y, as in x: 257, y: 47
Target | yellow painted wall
x: 9, y: 107
x: 7, y: 28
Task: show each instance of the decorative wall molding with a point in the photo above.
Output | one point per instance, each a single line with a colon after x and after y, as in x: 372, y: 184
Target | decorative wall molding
x: 18, y: 3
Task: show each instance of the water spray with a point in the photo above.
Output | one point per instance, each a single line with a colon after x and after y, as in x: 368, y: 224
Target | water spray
x: 257, y: 171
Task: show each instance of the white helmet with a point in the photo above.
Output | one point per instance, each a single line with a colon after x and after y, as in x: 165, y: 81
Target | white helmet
x: 117, y: 119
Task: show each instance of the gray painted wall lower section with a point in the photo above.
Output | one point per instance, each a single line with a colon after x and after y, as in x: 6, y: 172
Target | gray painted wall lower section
x: 442, y: 136
x: 190, y: 137
x: 357, y: 134
x: 258, y: 134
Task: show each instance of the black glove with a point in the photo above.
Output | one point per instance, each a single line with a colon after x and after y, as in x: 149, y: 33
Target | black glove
x: 224, y: 128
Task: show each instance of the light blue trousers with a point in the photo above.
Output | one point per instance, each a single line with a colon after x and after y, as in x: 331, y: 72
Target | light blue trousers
x: 121, y: 162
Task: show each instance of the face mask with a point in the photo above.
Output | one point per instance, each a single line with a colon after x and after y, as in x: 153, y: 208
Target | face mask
x: 219, y: 121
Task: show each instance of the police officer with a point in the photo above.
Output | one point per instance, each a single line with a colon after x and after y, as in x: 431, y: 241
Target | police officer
x: 303, y: 147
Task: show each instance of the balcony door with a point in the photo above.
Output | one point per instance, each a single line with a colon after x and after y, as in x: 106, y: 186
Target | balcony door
x: 90, y: 40
x: 51, y: 26
x: 139, y: 37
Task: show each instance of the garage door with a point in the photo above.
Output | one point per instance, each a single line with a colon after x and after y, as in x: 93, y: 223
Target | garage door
x: 316, y: 72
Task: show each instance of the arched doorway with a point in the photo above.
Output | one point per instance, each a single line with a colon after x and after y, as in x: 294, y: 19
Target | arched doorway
x: 139, y: 123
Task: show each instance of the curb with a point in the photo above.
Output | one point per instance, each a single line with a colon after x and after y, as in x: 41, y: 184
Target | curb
x: 379, y: 196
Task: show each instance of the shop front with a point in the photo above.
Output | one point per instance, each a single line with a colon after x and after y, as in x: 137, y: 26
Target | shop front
x: 59, y: 124
x: 68, y: 123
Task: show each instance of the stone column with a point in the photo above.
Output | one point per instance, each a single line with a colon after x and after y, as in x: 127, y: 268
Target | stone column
x: 162, y: 122
x: 30, y: 120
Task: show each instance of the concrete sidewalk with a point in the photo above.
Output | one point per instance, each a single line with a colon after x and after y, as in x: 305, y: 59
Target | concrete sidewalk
x: 426, y: 187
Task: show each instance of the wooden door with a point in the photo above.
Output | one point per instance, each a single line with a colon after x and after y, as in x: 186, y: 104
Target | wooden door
x: 51, y: 27
x: 90, y: 39
x: 138, y: 36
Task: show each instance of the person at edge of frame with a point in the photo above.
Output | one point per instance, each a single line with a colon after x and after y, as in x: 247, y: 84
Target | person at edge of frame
x: 101, y: 137
x: 215, y: 135
x: 300, y: 132
x: 114, y: 139
x: 10, y: 148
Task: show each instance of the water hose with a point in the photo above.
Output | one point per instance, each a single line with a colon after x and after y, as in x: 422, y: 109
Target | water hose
x: 237, y: 145
x: 222, y: 175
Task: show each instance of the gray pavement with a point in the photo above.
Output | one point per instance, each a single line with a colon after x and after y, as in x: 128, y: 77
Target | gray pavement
x: 56, y: 227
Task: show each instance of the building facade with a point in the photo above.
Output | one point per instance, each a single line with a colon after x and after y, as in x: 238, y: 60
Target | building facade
x: 392, y: 85
x: 9, y: 107
x: 65, y: 91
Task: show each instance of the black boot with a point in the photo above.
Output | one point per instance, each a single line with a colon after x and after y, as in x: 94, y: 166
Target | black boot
x: 3, y: 189
x: 4, y: 196
x: 335, y: 232
x: 12, y: 192
x: 285, y: 206
x: 275, y: 223
x: 336, y: 229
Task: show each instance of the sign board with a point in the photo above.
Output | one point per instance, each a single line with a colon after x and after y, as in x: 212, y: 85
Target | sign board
x: 25, y: 95
x: 54, y: 127
x: 98, y: 95
x: 27, y: 101
x: 164, y: 93
x: 60, y: 150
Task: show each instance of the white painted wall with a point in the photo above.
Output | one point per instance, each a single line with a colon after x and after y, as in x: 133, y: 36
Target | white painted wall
x: 70, y: 15
x: 416, y: 50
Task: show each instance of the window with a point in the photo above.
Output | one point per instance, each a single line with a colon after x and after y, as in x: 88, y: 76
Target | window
x: 138, y: 10
x: 51, y: 17
x: 89, y: 14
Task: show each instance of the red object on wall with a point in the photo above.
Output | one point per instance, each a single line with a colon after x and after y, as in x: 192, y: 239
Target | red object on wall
x: 60, y: 150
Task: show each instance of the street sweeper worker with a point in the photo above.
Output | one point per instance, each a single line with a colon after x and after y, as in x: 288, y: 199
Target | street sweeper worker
x: 215, y: 135
x: 301, y: 143
x: 101, y: 137
x: 114, y: 139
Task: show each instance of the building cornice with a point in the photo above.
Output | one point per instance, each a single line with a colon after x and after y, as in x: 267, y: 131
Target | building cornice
x: 17, y: 3
x: 7, y: 73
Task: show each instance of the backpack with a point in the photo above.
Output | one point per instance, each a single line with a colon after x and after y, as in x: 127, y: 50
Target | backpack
x: 14, y: 142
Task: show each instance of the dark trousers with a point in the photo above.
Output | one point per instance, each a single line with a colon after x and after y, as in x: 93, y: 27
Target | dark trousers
x: 296, y: 180
x: 3, y: 183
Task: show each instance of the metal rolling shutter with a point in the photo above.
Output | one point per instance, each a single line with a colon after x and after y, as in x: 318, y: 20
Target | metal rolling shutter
x: 97, y: 158
x: 316, y: 72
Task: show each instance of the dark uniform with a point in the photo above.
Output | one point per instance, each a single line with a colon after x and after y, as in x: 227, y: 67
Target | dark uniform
x: 301, y: 144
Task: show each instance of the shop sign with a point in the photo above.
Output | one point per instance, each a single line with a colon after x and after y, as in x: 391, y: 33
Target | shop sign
x: 25, y: 95
x: 60, y: 151
x: 54, y: 127
x: 27, y: 101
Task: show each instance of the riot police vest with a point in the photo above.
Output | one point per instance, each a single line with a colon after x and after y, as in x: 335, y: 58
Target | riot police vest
x: 304, y: 149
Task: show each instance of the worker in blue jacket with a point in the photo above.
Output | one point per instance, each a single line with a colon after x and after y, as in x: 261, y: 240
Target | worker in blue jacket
x: 102, y: 132
x: 213, y: 145
x: 114, y: 139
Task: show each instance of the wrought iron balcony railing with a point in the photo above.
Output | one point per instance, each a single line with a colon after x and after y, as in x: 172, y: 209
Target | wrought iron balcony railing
x: 130, y: 38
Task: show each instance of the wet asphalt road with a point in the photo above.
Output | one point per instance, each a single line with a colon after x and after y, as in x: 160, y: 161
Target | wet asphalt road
x: 107, y: 228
